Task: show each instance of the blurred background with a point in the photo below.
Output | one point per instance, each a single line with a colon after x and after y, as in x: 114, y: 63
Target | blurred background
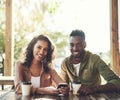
x: 57, y: 18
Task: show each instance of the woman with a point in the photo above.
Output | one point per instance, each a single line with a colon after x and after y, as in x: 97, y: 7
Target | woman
x: 37, y: 68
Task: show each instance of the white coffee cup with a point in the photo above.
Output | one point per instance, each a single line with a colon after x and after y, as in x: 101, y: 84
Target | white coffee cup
x: 26, y: 88
x: 75, y: 87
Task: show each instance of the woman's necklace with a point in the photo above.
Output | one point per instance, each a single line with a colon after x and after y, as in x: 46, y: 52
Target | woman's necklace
x: 36, y: 71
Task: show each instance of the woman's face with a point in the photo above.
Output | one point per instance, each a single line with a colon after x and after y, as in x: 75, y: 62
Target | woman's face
x: 40, y: 50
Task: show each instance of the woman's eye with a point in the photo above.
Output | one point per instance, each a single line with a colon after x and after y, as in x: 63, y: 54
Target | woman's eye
x: 39, y: 47
x: 45, y: 49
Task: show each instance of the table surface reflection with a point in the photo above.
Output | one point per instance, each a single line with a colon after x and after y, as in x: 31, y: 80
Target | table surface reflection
x: 97, y: 96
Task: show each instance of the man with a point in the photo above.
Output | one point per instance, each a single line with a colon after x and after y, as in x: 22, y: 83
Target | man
x: 85, y: 67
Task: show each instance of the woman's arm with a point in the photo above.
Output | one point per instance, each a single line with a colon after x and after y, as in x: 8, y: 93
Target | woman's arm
x: 18, y: 77
x: 47, y: 90
x: 57, y: 79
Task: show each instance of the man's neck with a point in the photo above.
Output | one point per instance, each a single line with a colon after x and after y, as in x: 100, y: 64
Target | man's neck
x: 76, y: 60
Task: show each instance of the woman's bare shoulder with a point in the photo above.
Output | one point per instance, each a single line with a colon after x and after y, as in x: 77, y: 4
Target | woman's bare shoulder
x: 19, y: 64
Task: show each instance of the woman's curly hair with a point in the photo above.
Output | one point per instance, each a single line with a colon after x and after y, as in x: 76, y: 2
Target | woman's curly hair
x: 28, y: 55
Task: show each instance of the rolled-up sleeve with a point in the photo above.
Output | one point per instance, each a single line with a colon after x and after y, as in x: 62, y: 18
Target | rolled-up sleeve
x: 108, y: 74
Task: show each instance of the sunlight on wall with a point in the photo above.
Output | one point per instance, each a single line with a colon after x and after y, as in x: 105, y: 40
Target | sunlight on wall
x: 92, y: 16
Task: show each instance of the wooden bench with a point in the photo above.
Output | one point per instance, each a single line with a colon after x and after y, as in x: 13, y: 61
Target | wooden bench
x: 6, y: 80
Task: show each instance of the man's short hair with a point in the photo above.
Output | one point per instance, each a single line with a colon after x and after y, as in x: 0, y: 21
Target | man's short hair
x: 78, y: 33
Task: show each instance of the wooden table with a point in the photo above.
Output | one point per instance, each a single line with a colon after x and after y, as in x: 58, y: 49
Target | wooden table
x: 6, y: 80
x: 98, y: 96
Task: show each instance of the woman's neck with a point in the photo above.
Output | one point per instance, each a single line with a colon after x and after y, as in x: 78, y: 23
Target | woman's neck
x: 35, y: 64
x: 36, y: 69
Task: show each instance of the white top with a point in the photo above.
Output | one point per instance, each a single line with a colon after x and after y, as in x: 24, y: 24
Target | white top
x: 77, y: 68
x: 35, y: 81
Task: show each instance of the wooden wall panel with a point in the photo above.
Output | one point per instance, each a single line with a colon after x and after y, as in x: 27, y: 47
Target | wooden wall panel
x: 8, y: 40
x: 114, y: 37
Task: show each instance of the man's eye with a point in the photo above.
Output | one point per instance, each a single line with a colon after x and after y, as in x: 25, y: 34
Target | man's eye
x: 71, y: 45
x: 79, y: 45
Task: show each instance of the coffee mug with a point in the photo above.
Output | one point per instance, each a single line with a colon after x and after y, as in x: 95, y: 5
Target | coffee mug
x: 26, y: 88
x: 75, y: 87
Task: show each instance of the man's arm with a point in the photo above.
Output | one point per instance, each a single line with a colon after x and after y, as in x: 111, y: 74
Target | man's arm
x: 85, y: 90
x: 105, y: 88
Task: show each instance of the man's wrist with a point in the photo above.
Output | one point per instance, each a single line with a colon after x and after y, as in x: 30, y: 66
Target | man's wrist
x: 95, y: 88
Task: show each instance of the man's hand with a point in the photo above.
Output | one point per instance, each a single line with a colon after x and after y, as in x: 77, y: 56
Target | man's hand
x: 85, y: 90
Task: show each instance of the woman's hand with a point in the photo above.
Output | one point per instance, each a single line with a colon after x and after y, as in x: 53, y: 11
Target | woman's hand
x: 48, y: 90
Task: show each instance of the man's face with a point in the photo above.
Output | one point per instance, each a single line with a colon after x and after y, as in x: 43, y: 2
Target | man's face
x: 77, y: 45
